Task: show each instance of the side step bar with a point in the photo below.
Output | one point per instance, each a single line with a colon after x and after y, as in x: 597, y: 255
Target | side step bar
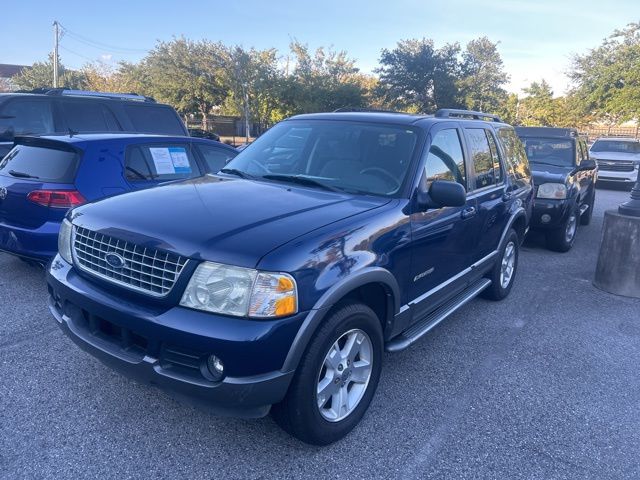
x: 584, y: 208
x: 416, y: 331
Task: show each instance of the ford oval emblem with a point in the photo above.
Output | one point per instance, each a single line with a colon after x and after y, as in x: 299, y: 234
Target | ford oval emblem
x: 114, y: 260
x: 3, y: 193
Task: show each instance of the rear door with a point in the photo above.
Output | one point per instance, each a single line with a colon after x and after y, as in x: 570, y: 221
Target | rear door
x: 30, y: 168
x: 150, y: 164
x: 488, y: 189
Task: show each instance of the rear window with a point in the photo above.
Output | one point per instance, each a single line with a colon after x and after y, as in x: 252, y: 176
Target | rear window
x: 89, y: 117
x: 154, y: 119
x: 161, y: 162
x: 40, y: 163
x: 25, y: 116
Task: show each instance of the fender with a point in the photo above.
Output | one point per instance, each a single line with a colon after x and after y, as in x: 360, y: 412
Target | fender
x: 517, y: 212
x: 331, y: 297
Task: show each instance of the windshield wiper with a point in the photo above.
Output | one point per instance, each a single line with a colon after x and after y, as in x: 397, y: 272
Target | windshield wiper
x: 301, y: 180
x: 13, y: 173
x: 237, y: 173
x: 547, y: 163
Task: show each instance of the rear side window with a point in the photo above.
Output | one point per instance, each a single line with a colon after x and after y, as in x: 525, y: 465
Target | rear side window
x: 89, y: 116
x: 481, y: 156
x: 40, y: 163
x: 215, y: 157
x: 445, y: 160
x: 154, y: 119
x: 516, y: 158
x: 160, y: 163
x: 25, y: 116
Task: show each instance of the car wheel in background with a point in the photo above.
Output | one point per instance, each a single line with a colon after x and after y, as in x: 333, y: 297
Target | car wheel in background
x: 503, y: 273
x: 336, y: 379
x: 561, y: 239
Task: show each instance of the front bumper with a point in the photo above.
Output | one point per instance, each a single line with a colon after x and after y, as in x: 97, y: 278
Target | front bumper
x: 39, y: 244
x: 621, y: 177
x: 169, y: 348
x: 549, y: 213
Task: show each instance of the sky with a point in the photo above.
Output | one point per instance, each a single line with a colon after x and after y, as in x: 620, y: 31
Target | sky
x: 536, y: 38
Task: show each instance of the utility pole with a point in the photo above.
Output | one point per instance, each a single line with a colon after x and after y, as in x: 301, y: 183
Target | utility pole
x: 56, y: 40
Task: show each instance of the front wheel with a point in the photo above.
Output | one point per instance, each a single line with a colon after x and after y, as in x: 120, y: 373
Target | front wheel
x: 336, y: 379
x: 562, y: 239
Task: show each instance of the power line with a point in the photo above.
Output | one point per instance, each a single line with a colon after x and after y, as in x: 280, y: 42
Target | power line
x: 76, y: 53
x: 100, y: 45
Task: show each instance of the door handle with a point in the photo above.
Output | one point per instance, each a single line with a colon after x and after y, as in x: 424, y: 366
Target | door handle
x: 468, y: 212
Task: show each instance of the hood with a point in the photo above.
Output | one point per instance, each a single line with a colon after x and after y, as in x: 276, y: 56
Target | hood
x: 549, y: 173
x: 620, y: 156
x: 229, y: 221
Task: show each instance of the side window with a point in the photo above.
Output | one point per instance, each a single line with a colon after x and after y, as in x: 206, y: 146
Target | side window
x: 215, y: 158
x: 516, y: 158
x: 25, y: 116
x: 495, y: 156
x: 583, y: 155
x: 160, y: 163
x: 154, y: 119
x: 481, y: 157
x: 89, y: 116
x: 445, y: 160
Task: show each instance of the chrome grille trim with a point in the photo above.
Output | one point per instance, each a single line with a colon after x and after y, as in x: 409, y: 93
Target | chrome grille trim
x: 616, y: 166
x: 150, y: 271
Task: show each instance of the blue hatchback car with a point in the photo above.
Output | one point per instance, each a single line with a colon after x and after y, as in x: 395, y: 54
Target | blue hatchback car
x: 41, y: 178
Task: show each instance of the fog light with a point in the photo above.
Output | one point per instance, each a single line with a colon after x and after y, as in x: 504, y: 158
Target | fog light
x: 546, y: 218
x: 215, y: 367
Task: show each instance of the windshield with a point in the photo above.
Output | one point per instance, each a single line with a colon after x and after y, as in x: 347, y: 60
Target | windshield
x: 549, y: 151
x: 617, y: 146
x: 368, y: 158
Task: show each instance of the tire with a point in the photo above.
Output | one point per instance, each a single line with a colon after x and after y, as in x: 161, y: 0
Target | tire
x: 299, y: 413
x: 509, y: 252
x: 562, y: 238
x: 585, y: 218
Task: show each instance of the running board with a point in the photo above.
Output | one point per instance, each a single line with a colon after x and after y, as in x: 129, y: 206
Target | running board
x: 584, y: 208
x: 415, y: 332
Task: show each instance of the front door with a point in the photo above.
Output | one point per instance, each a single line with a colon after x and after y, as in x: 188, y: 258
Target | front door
x: 442, y: 238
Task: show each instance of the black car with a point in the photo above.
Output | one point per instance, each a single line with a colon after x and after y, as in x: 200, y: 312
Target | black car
x: 565, y: 179
x: 201, y: 133
x: 281, y: 280
x: 78, y: 111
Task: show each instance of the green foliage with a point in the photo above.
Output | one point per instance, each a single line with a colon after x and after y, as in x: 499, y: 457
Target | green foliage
x: 607, y: 78
x: 40, y: 75
x: 418, y: 77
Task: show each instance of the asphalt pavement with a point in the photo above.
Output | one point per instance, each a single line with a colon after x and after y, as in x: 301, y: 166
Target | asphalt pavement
x: 544, y: 385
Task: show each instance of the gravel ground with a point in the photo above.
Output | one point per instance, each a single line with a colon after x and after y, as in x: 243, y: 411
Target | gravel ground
x: 543, y: 385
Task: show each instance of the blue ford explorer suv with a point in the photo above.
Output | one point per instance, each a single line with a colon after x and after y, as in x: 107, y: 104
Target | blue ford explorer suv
x: 279, y: 282
x: 41, y: 178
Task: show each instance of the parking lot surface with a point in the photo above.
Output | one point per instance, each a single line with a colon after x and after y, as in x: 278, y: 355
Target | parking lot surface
x: 545, y: 384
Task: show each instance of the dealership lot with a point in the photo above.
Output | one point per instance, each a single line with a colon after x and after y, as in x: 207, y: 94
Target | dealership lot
x: 543, y: 385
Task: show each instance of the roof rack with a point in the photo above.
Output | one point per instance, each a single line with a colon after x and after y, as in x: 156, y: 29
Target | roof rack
x: 361, y: 109
x: 87, y: 93
x: 456, y: 113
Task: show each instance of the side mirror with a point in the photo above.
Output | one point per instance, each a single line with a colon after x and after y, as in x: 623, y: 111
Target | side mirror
x: 588, y: 164
x: 442, y: 193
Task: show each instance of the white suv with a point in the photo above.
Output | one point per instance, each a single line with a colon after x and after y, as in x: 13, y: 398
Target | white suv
x: 618, y: 159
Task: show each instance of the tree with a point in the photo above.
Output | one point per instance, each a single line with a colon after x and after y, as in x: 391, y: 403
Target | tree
x: 185, y: 74
x: 606, y: 80
x: 418, y: 77
x: 538, y: 107
x: 103, y: 77
x: 40, y: 75
x: 509, y: 108
x: 483, y: 76
x: 5, y: 86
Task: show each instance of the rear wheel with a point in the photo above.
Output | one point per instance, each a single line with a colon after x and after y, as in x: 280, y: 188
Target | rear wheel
x: 562, y: 238
x: 504, y: 272
x: 336, y: 379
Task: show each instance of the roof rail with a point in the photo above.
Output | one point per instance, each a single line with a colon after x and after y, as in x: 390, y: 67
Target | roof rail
x: 87, y: 93
x: 363, y: 109
x: 456, y: 113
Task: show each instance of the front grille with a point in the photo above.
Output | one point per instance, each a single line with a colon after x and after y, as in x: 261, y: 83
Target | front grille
x: 148, y: 270
x: 616, y: 166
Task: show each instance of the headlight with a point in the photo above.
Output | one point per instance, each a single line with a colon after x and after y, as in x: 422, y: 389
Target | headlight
x: 552, y: 190
x: 64, y: 240
x: 240, y: 292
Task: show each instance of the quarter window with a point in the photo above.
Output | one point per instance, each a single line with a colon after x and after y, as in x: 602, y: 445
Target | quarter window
x: 445, y: 160
x: 23, y: 117
x: 215, y: 158
x: 483, y: 160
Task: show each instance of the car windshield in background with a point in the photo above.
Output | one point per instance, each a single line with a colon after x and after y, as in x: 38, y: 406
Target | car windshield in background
x: 549, y: 151
x: 618, y: 146
x: 39, y: 163
x: 367, y: 158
